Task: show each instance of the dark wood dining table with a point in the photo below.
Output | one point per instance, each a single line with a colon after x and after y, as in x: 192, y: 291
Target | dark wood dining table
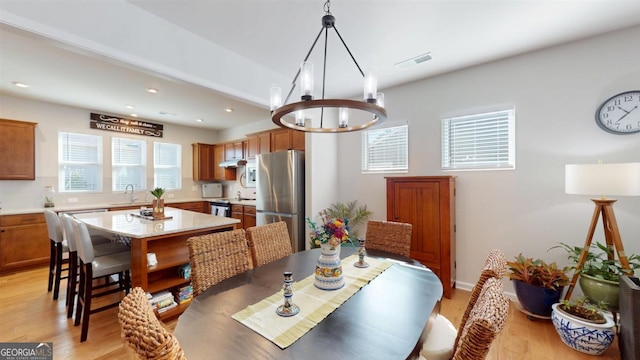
x: 387, y: 319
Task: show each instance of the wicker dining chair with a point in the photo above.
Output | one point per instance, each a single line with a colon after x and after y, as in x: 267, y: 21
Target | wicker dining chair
x: 217, y: 256
x: 143, y: 333
x: 394, y: 237
x: 268, y: 242
x: 444, y: 337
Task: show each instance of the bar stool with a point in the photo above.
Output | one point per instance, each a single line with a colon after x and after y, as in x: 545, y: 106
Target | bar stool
x: 58, y: 247
x: 100, y: 248
x: 92, y: 267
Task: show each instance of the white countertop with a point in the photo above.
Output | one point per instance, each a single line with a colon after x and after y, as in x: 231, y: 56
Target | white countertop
x: 122, y: 222
x: 92, y: 206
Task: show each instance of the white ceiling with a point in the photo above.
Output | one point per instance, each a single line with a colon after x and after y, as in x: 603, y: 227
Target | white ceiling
x: 205, y: 56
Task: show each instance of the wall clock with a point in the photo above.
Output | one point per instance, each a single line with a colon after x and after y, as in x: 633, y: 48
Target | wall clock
x: 620, y: 114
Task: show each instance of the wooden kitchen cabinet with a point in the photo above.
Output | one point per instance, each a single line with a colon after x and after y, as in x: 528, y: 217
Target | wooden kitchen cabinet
x: 24, y: 242
x: 246, y: 214
x: 264, y: 143
x: 221, y: 173
x: 233, y: 151
x: 427, y: 203
x: 252, y: 146
x: 286, y: 139
x: 197, y: 206
x: 17, y: 150
x: 203, y: 162
x: 237, y: 212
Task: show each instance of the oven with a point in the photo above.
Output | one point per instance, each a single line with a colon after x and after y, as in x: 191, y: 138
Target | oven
x: 221, y: 208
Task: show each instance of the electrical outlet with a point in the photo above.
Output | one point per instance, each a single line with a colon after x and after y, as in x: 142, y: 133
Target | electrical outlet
x: 72, y: 200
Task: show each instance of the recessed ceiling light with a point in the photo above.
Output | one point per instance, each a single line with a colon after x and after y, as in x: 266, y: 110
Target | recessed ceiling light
x: 20, y: 84
x: 134, y: 115
x: 152, y: 90
x: 228, y: 109
x: 199, y: 120
x: 129, y: 106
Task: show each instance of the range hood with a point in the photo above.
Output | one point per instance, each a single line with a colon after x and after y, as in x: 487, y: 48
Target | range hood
x: 233, y: 163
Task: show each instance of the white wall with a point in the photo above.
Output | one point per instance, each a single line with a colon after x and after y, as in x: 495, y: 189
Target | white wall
x: 51, y: 118
x: 555, y: 93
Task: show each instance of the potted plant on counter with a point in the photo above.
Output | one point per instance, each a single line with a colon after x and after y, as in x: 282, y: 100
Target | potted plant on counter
x: 600, y: 273
x: 158, y: 203
x: 538, y: 285
x: 583, y: 326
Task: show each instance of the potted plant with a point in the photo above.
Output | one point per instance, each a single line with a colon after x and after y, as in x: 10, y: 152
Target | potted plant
x: 158, y: 203
x: 538, y: 285
x: 583, y: 326
x: 600, y: 273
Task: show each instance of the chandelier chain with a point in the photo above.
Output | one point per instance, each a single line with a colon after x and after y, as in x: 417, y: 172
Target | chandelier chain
x: 327, y: 7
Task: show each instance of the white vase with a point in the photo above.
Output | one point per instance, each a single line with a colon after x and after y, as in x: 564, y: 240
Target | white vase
x: 329, y: 268
x: 580, y: 335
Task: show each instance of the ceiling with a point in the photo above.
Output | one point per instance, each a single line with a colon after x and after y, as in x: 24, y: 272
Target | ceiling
x: 205, y: 56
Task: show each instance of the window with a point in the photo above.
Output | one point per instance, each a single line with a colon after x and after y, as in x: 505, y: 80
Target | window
x: 79, y: 162
x: 167, y: 163
x: 386, y: 149
x: 480, y: 141
x: 128, y: 164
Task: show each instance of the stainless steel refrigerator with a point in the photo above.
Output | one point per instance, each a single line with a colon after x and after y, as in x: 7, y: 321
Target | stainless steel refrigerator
x: 280, y: 192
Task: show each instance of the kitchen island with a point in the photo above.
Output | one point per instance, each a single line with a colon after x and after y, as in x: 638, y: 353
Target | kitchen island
x: 165, y: 238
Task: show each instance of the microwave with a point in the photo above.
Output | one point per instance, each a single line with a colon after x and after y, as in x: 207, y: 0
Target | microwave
x: 250, y: 174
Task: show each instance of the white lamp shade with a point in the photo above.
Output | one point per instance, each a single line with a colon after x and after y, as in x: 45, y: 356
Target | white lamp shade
x: 603, y: 179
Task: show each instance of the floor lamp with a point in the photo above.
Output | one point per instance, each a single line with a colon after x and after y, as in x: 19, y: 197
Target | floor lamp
x: 602, y: 180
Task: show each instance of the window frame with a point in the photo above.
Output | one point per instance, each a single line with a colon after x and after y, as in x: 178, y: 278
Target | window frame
x: 119, y: 167
x: 366, y: 165
x: 479, y: 124
x: 178, y: 156
x: 63, y: 164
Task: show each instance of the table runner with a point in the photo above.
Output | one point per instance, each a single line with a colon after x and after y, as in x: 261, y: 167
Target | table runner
x: 315, y: 304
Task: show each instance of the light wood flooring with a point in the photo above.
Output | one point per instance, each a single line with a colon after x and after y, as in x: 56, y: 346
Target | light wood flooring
x: 27, y: 313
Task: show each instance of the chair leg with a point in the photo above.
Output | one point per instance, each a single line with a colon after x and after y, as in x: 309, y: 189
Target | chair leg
x: 58, y: 265
x: 86, y: 313
x: 80, y: 299
x: 72, y: 283
x: 52, y: 259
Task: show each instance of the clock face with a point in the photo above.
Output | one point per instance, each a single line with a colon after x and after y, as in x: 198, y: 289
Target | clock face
x: 621, y: 113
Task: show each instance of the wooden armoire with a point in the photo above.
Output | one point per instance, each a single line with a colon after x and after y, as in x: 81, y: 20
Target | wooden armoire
x: 428, y: 203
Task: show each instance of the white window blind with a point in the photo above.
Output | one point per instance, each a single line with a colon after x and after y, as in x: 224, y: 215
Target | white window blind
x: 79, y: 162
x: 128, y: 163
x: 386, y: 149
x: 167, y: 165
x: 480, y: 141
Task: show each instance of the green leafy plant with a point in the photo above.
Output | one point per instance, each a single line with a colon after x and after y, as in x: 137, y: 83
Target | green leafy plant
x: 583, y: 309
x: 601, y: 265
x: 350, y: 210
x: 157, y: 192
x: 537, y: 272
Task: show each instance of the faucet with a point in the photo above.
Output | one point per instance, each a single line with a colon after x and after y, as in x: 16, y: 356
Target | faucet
x: 133, y: 196
x: 239, y: 195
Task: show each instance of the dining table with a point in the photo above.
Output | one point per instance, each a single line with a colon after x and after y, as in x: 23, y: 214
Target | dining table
x: 388, y: 318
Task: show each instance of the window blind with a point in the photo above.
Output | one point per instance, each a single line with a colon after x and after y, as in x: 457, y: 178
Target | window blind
x: 385, y: 150
x: 167, y: 165
x: 79, y: 162
x: 481, y: 141
x: 128, y: 164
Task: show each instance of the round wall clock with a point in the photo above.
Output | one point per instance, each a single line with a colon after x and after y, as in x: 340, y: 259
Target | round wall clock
x: 620, y: 114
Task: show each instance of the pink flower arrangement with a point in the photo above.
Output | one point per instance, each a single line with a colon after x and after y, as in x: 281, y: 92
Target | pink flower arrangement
x: 333, y: 231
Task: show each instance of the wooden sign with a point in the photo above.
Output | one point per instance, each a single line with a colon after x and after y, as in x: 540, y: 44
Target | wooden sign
x: 127, y: 126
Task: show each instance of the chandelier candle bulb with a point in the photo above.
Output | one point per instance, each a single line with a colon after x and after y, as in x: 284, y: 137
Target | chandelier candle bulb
x: 370, y: 87
x: 276, y: 97
x: 380, y: 100
x: 300, y: 118
x: 306, y: 80
x: 343, y: 117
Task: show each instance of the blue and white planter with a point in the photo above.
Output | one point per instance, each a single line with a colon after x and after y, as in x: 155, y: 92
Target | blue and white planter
x: 580, y: 335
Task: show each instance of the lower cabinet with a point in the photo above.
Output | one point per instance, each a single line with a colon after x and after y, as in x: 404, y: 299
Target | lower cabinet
x: 246, y: 214
x: 24, y: 241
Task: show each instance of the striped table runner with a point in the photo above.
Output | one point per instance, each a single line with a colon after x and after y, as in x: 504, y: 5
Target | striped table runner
x: 315, y: 304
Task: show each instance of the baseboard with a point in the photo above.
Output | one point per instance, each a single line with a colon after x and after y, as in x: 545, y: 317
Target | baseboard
x: 468, y: 287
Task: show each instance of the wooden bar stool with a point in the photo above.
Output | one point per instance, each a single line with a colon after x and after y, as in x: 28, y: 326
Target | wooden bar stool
x: 92, y: 267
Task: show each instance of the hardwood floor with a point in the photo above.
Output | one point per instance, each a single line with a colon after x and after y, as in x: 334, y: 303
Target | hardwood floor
x: 27, y: 313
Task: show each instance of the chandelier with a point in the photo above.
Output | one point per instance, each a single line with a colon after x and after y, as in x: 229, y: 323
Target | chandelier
x: 372, y: 105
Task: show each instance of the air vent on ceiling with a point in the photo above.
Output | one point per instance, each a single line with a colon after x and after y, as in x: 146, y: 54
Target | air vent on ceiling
x: 414, y: 61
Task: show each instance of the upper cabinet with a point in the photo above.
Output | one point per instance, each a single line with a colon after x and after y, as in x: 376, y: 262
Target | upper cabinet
x: 233, y: 151
x: 203, y: 162
x: 274, y: 140
x: 17, y: 150
x: 222, y: 173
